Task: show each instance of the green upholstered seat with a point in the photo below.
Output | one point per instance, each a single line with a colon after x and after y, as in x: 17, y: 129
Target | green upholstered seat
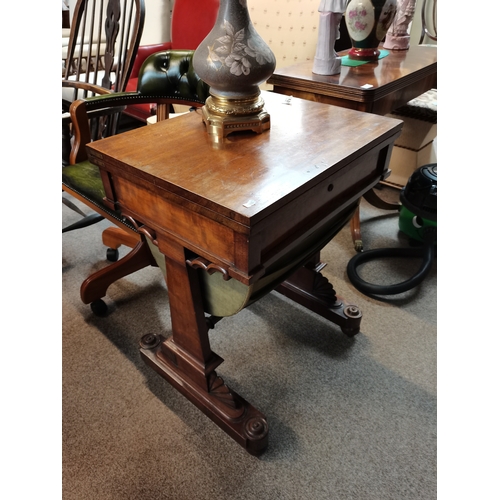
x: 85, y: 179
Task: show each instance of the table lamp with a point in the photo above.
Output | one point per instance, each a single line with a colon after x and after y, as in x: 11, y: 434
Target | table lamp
x: 234, y: 60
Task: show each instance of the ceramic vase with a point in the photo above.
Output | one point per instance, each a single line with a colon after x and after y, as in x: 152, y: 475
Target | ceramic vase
x: 367, y: 22
x: 234, y: 60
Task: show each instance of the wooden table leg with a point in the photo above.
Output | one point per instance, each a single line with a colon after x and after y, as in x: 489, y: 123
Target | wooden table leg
x: 187, y: 362
x: 356, y: 231
x: 372, y: 198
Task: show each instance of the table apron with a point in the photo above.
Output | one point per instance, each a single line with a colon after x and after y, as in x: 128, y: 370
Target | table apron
x: 245, y: 252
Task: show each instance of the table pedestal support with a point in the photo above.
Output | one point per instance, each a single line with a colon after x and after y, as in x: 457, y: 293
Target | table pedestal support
x: 187, y: 362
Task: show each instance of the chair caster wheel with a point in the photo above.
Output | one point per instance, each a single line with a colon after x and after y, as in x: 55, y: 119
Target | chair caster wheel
x: 112, y: 254
x: 99, y: 307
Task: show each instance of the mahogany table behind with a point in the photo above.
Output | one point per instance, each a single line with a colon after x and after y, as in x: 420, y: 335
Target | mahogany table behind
x: 235, y: 206
x: 375, y: 87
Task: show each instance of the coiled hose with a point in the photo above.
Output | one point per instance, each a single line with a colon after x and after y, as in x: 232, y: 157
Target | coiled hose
x: 426, y: 252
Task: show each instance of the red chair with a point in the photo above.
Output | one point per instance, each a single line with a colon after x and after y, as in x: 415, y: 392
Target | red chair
x: 192, y: 20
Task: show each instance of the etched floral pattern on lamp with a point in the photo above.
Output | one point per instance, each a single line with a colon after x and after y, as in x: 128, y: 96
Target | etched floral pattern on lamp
x: 233, y: 59
x: 231, y: 50
x: 367, y: 22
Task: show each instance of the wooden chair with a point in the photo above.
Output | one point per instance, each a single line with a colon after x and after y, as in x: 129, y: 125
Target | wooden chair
x: 166, y: 77
x: 429, y: 21
x: 103, y: 42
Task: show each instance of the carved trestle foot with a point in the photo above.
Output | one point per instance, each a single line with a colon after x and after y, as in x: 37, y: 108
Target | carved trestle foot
x: 308, y: 287
x: 233, y: 414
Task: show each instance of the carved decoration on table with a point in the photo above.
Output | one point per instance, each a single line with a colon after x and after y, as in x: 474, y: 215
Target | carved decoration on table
x: 141, y: 229
x: 256, y: 428
x: 201, y: 263
x: 324, y: 290
x: 218, y: 389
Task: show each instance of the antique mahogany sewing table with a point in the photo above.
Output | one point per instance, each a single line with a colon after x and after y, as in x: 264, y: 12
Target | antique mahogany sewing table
x: 240, y: 209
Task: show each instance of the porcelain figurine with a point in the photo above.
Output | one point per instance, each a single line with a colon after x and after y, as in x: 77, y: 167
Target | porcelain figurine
x: 397, y: 37
x: 327, y: 61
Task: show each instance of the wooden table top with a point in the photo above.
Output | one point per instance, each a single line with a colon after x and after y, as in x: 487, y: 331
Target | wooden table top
x: 246, y: 176
x: 366, y: 83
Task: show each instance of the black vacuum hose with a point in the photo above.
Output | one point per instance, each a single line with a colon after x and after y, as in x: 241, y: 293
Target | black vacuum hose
x: 426, y: 252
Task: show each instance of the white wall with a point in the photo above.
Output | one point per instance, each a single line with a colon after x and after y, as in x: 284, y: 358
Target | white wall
x: 157, y: 22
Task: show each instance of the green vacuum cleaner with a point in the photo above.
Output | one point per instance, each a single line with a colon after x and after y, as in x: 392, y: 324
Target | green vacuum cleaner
x: 418, y: 220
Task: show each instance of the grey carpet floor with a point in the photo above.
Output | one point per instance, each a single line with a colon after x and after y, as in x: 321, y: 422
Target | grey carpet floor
x: 348, y: 418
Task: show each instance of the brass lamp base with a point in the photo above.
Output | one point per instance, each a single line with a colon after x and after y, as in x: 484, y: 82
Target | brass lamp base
x: 223, y: 116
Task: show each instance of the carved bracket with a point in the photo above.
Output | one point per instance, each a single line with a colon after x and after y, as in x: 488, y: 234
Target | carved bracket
x: 148, y: 233
x: 218, y: 389
x: 201, y: 263
x: 324, y: 290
